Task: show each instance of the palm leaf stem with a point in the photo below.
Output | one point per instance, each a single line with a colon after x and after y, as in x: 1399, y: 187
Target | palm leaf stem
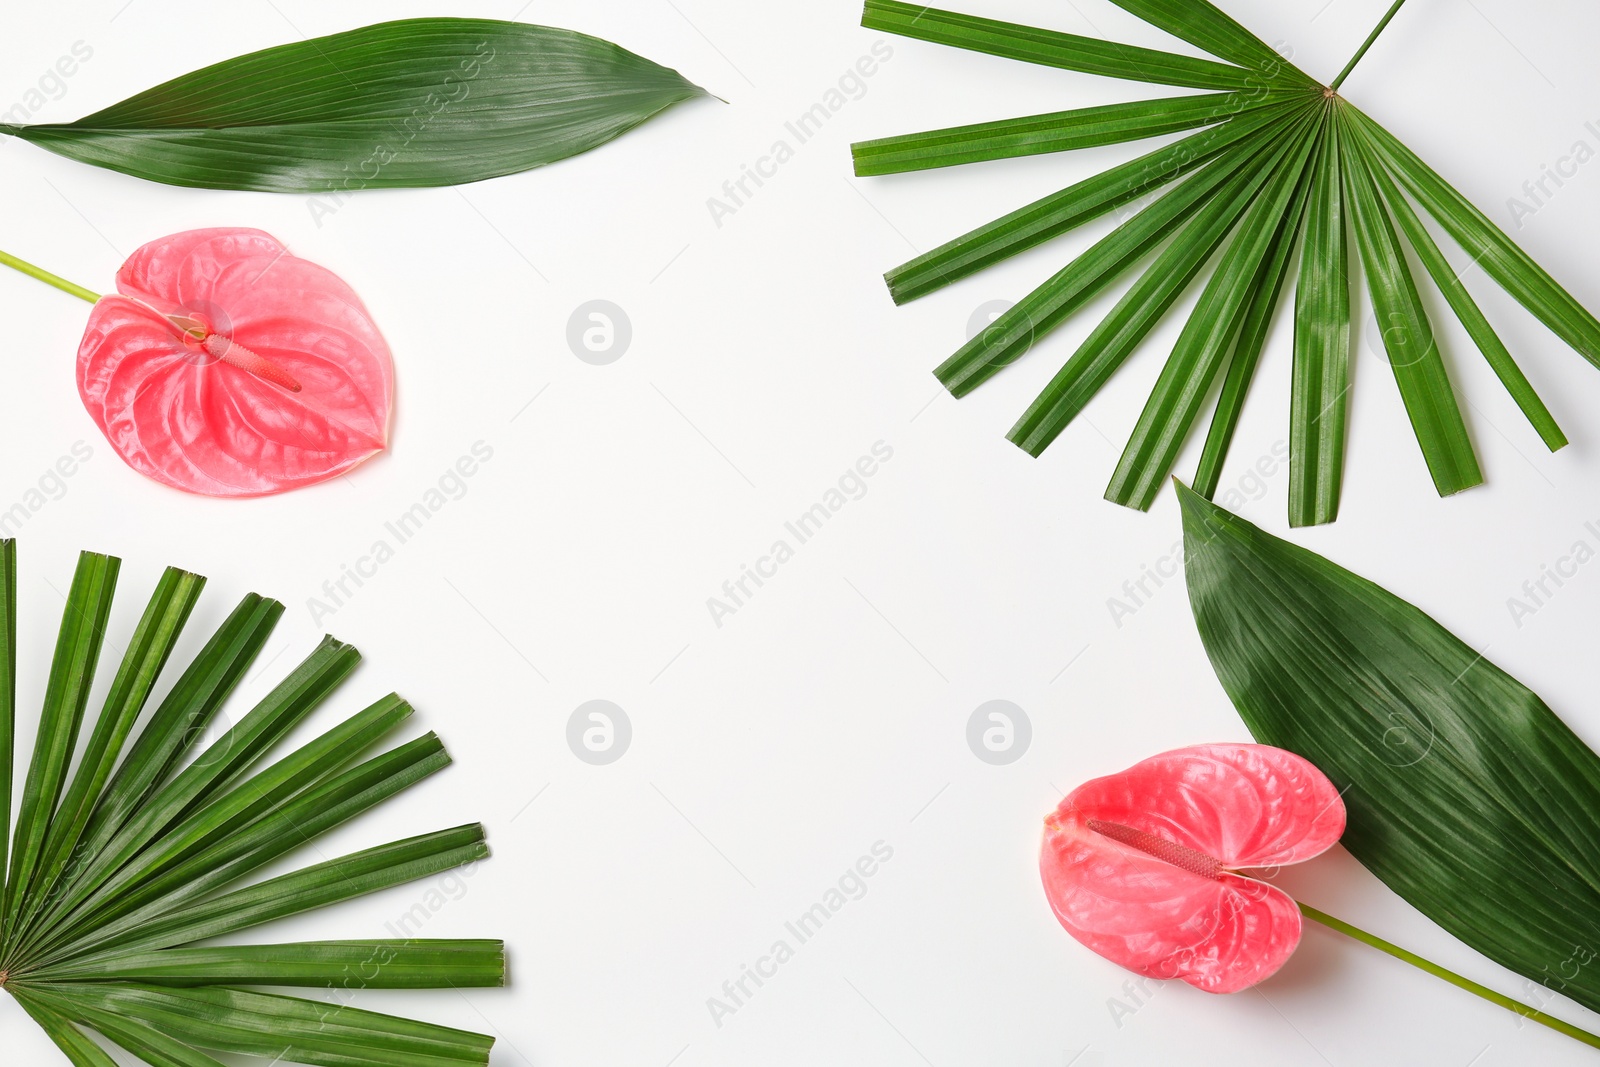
x: 1371, y: 37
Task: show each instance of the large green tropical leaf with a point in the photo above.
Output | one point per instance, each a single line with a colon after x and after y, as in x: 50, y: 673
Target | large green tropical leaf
x: 430, y: 101
x: 115, y: 878
x: 1232, y: 204
x: 1465, y: 793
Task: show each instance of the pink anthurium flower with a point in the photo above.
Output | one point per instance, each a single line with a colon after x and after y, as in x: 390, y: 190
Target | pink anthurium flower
x: 1143, y: 867
x: 224, y: 365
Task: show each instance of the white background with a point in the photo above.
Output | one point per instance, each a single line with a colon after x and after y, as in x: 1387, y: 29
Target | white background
x: 829, y: 712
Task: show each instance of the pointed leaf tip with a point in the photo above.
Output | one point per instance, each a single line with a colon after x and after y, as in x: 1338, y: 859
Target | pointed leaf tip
x: 1195, y: 508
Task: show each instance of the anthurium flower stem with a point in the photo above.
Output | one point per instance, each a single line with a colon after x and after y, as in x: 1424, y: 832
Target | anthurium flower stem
x: 49, y: 279
x: 1373, y: 36
x: 1449, y: 976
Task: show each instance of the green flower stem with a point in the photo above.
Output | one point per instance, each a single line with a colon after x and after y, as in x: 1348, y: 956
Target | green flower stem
x: 1449, y: 976
x: 1373, y: 36
x: 49, y: 279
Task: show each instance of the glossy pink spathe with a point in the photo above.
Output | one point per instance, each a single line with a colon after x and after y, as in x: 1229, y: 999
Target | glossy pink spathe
x: 1142, y: 866
x: 226, y: 366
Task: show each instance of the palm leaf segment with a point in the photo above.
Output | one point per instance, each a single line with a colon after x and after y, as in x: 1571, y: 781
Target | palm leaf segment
x: 1280, y: 162
x: 119, y: 867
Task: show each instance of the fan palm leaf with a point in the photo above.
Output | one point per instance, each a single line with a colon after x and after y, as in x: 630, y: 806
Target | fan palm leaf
x: 1279, y: 163
x: 122, y: 861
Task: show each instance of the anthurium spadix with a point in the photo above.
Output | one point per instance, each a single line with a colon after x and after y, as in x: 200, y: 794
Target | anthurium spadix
x: 227, y: 366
